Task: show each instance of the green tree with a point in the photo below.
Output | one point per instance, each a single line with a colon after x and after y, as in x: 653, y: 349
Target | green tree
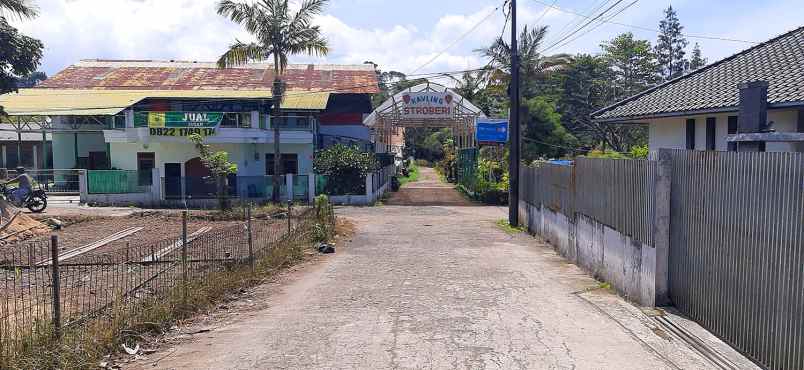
x: 535, y: 68
x: 279, y: 33
x: 217, y: 162
x: 543, y: 134
x: 697, y: 60
x: 19, y: 8
x: 586, y: 87
x: 31, y: 79
x: 20, y: 55
x: 633, y: 64
x: 671, y: 45
x: 346, y: 169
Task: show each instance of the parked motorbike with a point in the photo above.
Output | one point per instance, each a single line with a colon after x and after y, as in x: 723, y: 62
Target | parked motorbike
x: 36, y: 201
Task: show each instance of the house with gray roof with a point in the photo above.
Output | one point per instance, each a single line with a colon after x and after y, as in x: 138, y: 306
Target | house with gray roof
x: 700, y: 110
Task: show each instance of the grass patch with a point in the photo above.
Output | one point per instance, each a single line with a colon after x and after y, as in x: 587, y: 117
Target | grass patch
x: 413, y: 175
x: 505, y: 226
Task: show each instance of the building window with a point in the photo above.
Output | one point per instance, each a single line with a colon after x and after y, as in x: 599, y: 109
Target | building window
x: 711, y: 129
x: 146, y: 162
x: 732, y: 147
x: 290, y: 164
x: 236, y: 120
x: 690, y: 134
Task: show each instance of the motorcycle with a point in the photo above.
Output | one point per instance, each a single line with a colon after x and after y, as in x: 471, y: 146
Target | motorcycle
x: 35, y: 201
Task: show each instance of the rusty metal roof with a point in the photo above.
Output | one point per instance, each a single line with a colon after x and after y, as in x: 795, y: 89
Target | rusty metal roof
x: 173, y: 75
x: 66, y: 102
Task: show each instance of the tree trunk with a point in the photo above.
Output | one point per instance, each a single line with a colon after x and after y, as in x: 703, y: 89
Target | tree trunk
x: 277, y: 92
x: 223, y: 196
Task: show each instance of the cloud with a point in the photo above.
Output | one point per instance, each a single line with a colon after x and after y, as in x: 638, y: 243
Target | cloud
x: 192, y: 30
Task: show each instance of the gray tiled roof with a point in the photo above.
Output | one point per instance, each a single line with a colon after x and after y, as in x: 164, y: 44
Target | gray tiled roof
x: 780, y: 61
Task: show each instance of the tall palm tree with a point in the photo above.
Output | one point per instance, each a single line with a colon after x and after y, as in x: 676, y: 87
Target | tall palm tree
x: 20, y: 8
x: 279, y: 33
x: 534, y: 66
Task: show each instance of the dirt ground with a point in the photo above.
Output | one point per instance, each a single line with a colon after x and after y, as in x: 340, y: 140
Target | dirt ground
x: 427, y: 191
x: 158, y: 228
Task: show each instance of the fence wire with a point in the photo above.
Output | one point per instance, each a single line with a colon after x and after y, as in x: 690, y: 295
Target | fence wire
x: 95, y: 285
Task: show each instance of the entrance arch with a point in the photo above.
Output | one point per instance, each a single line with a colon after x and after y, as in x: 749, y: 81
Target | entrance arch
x: 430, y: 105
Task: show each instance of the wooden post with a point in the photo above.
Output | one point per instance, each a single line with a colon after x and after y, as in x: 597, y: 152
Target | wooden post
x: 56, y: 286
x: 250, y: 238
x: 184, y: 254
x: 290, y: 214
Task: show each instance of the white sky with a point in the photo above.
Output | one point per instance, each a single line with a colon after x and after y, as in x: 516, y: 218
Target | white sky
x: 397, y: 35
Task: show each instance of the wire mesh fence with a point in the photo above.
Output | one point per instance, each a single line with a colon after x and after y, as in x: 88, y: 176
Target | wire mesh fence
x: 41, y: 295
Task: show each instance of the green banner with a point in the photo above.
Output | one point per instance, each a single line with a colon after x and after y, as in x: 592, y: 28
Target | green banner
x: 178, y: 123
x: 178, y: 119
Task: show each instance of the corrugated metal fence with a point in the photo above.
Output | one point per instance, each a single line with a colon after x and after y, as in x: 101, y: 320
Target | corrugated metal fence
x: 618, y: 193
x: 737, y: 250
x: 615, y: 192
x: 736, y: 261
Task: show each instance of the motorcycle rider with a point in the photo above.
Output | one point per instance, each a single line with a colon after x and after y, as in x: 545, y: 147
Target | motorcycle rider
x: 24, y: 187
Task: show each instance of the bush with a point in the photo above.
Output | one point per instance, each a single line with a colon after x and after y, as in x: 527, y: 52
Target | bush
x: 422, y: 163
x: 346, y: 169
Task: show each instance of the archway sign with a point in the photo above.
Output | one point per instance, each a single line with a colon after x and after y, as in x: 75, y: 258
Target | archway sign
x: 430, y: 105
x: 424, y: 105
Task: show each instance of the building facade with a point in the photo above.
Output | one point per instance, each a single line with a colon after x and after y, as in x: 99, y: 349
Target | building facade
x: 138, y: 115
x: 706, y: 108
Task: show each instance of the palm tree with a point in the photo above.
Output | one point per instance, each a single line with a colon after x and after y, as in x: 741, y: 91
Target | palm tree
x: 533, y: 65
x: 20, y: 8
x: 279, y: 33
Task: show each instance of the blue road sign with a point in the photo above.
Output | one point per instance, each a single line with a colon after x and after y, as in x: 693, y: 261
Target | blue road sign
x: 492, y: 131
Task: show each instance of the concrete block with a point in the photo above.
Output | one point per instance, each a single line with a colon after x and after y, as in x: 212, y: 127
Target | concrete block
x: 614, y: 245
x: 588, y: 244
x: 632, y: 265
x: 647, y: 274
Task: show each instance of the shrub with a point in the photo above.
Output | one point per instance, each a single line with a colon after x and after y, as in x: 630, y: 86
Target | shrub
x: 422, y: 163
x: 346, y: 169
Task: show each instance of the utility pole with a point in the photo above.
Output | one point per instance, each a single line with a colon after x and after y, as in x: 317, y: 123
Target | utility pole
x: 513, y: 158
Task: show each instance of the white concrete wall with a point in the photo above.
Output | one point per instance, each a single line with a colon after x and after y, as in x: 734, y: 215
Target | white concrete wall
x: 628, y: 265
x: 124, y: 155
x: 671, y: 132
x: 64, y: 147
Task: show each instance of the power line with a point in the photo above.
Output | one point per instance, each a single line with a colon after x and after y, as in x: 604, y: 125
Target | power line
x: 576, y: 21
x: 600, y: 23
x: 692, y: 36
x: 546, y: 9
x: 459, y: 39
x: 584, y: 25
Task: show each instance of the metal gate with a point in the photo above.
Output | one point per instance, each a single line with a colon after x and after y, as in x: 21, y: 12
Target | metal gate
x: 737, y: 250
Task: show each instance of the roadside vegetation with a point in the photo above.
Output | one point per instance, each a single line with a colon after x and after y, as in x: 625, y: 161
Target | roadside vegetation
x: 409, y: 172
x: 133, y: 322
x: 503, y: 225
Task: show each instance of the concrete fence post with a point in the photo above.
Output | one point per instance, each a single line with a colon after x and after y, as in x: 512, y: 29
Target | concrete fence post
x: 184, y: 255
x: 56, y: 285
x: 83, y: 188
x: 156, y: 186
x: 661, y: 226
x: 369, y: 189
x: 289, y: 186
x: 311, y: 188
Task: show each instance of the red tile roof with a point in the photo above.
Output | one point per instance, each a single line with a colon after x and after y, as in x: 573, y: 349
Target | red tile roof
x: 163, y: 75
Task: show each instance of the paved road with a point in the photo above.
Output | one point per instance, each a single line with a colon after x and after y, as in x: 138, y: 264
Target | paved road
x: 427, y: 288
x: 428, y: 191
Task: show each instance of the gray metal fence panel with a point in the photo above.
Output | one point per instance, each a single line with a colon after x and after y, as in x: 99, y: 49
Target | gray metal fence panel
x: 737, y: 250
x: 618, y: 193
x: 551, y: 185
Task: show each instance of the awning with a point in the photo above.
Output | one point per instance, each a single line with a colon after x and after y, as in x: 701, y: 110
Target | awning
x: 68, y: 102
x: 305, y: 100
